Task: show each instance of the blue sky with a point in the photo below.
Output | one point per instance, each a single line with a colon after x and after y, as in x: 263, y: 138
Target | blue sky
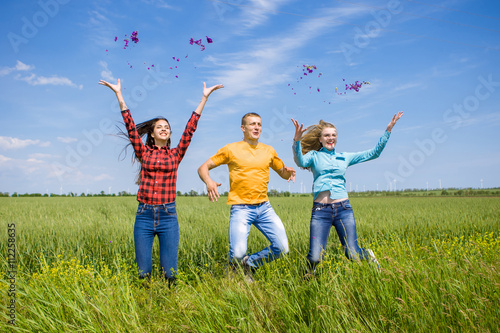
x: 436, y: 62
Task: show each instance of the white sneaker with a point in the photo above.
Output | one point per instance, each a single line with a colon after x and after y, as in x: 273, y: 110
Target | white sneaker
x: 373, y: 258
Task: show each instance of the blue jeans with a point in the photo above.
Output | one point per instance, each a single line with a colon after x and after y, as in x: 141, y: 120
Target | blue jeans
x: 152, y: 220
x: 339, y: 215
x: 263, y: 217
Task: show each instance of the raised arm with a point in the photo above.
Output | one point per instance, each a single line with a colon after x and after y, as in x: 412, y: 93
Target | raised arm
x: 135, y: 138
x: 301, y: 160
x: 213, y: 194
x: 299, y: 130
x: 373, y: 153
x: 117, y: 88
x: 206, y: 93
x: 395, y: 118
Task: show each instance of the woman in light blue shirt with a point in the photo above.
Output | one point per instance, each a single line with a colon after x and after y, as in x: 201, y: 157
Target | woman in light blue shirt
x: 315, y: 150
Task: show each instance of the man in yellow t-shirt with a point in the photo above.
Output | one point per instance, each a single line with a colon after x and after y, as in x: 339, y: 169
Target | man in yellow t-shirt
x: 249, y: 162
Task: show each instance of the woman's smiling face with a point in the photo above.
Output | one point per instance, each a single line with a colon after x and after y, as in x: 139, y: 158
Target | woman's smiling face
x: 328, y: 138
x: 161, y: 132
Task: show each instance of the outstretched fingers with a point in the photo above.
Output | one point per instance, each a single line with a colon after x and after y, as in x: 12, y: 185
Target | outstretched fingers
x: 395, y: 118
x: 208, y: 91
x: 115, y: 87
x: 299, y: 130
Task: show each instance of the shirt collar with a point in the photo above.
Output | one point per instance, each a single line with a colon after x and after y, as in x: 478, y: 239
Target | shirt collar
x: 155, y: 147
x: 324, y: 150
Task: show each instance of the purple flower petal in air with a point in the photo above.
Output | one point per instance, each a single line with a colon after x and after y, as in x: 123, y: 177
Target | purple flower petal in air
x: 209, y: 40
x: 116, y: 38
x: 134, y: 36
x: 191, y: 41
x: 202, y: 47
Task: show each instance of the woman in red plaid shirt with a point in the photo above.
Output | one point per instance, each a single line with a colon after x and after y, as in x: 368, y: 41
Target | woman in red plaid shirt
x: 156, y: 214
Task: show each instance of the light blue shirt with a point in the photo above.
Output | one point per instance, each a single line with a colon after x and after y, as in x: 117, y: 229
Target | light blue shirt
x: 329, y: 167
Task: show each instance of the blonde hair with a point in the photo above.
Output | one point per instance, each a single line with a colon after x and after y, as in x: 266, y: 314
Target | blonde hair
x: 310, y: 139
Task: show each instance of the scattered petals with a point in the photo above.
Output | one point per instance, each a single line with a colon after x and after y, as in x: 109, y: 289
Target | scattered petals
x: 198, y: 42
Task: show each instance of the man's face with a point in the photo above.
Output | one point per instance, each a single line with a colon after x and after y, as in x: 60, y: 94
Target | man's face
x: 252, y: 128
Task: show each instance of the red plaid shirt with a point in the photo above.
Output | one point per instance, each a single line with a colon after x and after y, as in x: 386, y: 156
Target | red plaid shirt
x: 158, y: 165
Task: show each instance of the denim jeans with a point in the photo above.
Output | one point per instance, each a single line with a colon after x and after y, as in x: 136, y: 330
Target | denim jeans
x: 160, y: 220
x: 263, y: 217
x: 339, y: 215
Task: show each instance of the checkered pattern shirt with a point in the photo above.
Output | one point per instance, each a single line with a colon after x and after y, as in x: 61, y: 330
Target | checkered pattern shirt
x: 158, y: 165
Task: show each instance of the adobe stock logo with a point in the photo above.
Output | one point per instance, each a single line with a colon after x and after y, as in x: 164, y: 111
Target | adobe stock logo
x: 362, y: 39
x: 455, y: 117
x: 30, y: 27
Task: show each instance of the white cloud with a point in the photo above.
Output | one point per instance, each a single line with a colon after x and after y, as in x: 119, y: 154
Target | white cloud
x: 17, y: 68
x: 106, y: 74
x: 66, y: 139
x: 15, y: 143
x: 34, y: 79
x: 4, y: 159
x: 55, y: 80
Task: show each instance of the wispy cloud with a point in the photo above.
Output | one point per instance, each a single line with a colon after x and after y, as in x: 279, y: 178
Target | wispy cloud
x: 19, y: 67
x: 54, y: 80
x: 66, y: 139
x: 35, y: 166
x: 106, y: 73
x: 257, y: 12
x: 406, y: 86
x: 257, y: 70
x: 15, y: 143
x: 160, y: 4
x: 4, y: 159
x: 34, y: 79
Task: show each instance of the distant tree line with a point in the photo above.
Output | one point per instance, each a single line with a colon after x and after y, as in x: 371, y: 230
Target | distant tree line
x: 275, y: 193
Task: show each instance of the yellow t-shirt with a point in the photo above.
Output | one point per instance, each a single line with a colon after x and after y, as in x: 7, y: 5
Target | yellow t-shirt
x: 248, y: 170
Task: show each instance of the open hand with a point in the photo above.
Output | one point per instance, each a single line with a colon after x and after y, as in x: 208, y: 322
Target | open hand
x: 299, y: 130
x: 395, y: 118
x: 208, y: 91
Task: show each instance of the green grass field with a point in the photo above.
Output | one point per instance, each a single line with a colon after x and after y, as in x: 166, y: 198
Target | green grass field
x: 74, y: 270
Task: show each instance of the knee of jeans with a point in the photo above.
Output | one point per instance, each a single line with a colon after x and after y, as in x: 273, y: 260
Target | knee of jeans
x: 238, y: 252
x: 284, y: 250
x: 280, y: 249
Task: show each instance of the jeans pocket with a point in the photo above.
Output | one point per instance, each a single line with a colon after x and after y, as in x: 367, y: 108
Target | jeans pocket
x: 347, y: 205
x: 170, y: 210
x: 140, y: 210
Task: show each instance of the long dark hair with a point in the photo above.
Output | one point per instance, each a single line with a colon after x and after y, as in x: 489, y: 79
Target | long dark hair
x: 145, y: 128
